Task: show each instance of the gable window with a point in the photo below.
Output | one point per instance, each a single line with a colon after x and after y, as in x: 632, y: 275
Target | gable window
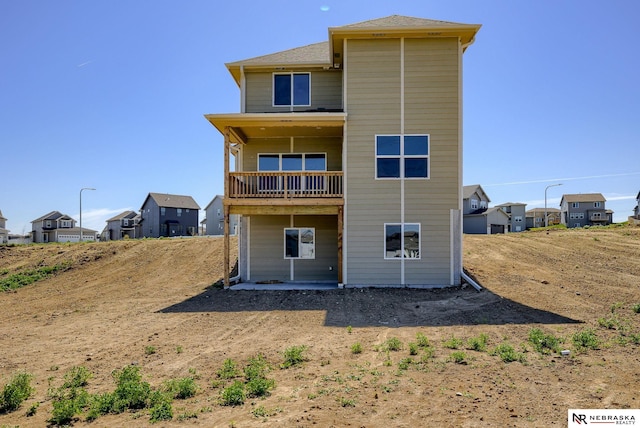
x: 47, y: 223
x: 292, y: 89
x: 402, y: 241
x: 402, y: 156
x: 483, y: 204
x: 65, y: 223
x: 299, y: 243
x: 474, y: 204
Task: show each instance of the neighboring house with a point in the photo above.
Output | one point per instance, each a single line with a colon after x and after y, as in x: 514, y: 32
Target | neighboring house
x: 4, y: 233
x: 478, y: 218
x: 164, y: 215
x: 535, y: 217
x: 58, y: 227
x: 517, y: 215
x: 125, y: 224
x: 348, y: 157
x: 214, y: 224
x: 636, y: 209
x: 584, y: 209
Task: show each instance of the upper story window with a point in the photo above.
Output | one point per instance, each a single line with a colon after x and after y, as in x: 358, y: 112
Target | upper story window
x: 163, y: 210
x: 292, y: 89
x: 474, y: 204
x: 518, y: 218
x: 575, y: 204
x: 47, y: 223
x: 597, y: 204
x: 65, y: 223
x: 402, y: 156
x: 179, y: 212
x: 483, y: 204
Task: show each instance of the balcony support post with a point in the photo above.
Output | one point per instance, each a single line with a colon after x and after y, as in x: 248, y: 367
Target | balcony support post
x: 340, y: 226
x: 226, y: 207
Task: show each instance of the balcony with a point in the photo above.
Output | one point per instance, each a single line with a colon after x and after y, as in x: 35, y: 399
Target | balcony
x: 286, y: 185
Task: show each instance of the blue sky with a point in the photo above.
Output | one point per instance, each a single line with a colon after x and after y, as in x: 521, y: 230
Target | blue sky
x: 111, y: 95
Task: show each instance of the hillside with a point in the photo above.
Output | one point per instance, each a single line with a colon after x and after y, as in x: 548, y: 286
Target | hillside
x: 148, y: 303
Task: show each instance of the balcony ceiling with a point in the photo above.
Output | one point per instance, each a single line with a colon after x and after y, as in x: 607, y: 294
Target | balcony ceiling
x: 280, y: 125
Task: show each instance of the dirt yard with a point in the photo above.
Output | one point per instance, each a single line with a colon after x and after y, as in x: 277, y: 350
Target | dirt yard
x: 149, y: 303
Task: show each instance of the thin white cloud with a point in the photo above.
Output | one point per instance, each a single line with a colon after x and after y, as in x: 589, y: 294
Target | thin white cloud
x: 512, y: 183
x: 84, y: 63
x: 95, y: 219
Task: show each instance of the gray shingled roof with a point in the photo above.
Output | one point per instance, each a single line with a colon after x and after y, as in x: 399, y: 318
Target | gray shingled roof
x: 125, y: 214
x: 399, y: 21
x: 174, y: 201
x: 317, y: 53
x: 53, y: 215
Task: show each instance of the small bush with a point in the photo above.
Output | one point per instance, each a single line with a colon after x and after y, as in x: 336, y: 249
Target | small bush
x: 422, y: 340
x: 507, y: 354
x: 636, y: 308
x: 453, y: 343
x: 15, y: 392
x: 478, y: 343
x: 356, y: 348
x: 259, y: 387
x: 181, y: 388
x: 228, y: 370
x: 544, y: 343
x: 257, y: 368
x: 64, y: 411
x: 413, y: 348
x: 234, y: 394
x: 458, y: 357
x: 131, y: 392
x: 150, y: 350
x: 586, y: 339
x: 393, y: 344
x: 161, y: 409
x: 293, y: 356
x: 76, y: 377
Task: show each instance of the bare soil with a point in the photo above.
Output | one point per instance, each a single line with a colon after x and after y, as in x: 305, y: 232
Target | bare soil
x: 120, y: 298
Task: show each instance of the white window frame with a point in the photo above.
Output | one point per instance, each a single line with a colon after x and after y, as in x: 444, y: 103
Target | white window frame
x: 518, y: 218
x: 575, y: 204
x: 307, y: 252
x: 65, y: 224
x: 473, y: 204
x: 402, y: 241
x: 597, y: 204
x: 303, y: 183
x: 291, y: 75
x: 402, y: 157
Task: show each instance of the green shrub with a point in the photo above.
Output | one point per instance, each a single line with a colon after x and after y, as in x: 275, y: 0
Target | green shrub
x: 356, y: 348
x: 27, y: 277
x: 228, y: 370
x: 293, y: 356
x: 478, y: 343
x: 413, y: 348
x: 234, y: 394
x: 181, y: 388
x: 507, y: 354
x: 76, y: 377
x: 586, y: 339
x: 544, y: 343
x: 64, y: 411
x: 422, y: 340
x: 458, y: 357
x: 15, y: 392
x: 393, y: 344
x: 636, y: 308
x: 161, y: 409
x: 259, y: 387
x: 131, y: 392
x: 101, y: 404
x: 453, y: 343
x: 257, y: 368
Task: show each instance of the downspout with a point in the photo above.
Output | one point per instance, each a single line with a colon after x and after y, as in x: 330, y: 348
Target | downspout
x: 470, y: 281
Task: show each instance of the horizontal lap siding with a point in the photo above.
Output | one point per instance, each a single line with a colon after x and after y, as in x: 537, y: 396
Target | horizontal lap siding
x: 326, y: 92
x: 431, y: 102
x: 331, y: 146
x: 326, y: 249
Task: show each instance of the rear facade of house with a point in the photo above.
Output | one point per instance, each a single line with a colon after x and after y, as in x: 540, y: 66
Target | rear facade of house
x: 347, y: 157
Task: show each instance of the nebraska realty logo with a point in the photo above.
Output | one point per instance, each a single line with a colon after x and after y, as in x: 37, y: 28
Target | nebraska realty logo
x: 599, y: 417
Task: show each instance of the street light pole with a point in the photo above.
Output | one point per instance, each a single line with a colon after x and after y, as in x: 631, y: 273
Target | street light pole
x: 546, y: 219
x: 84, y: 188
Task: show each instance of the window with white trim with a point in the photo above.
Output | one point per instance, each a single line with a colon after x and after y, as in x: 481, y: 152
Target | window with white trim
x: 65, y: 223
x: 596, y: 204
x: 518, y: 218
x: 402, y: 156
x: 575, y: 204
x: 292, y: 162
x: 402, y: 241
x: 300, y: 243
x: 291, y: 89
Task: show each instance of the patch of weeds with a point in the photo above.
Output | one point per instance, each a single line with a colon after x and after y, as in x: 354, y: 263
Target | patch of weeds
x: 32, y: 410
x: 413, y: 348
x: 15, y: 392
x: 458, y: 357
x: 405, y: 363
x: 349, y: 329
x: 544, y: 343
x: 263, y: 412
x: 185, y: 387
x: 293, y: 356
x: 393, y: 344
x: 636, y: 308
x: 508, y: 354
x: 131, y: 391
x: 585, y: 339
x: 453, y: 343
x: 356, y: 348
x: 228, y: 370
x: 422, y: 340
x: 76, y: 377
x: 234, y: 395
x: 478, y: 343
x: 615, y: 306
x: 186, y: 415
x: 179, y: 349
x: 161, y: 409
x: 255, y: 373
x: 150, y: 350
x: 347, y: 402
x: 27, y: 277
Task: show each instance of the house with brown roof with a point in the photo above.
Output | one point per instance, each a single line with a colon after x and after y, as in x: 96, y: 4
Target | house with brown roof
x: 347, y: 157
x: 165, y: 215
x: 58, y: 227
x: 584, y: 209
x: 535, y: 217
x: 517, y: 215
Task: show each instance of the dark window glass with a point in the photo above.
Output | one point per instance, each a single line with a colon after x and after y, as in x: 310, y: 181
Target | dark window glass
x: 388, y: 167
x: 415, y: 167
x: 416, y: 145
x: 301, y: 89
x: 392, y: 240
x: 291, y: 243
x: 388, y: 145
x: 282, y: 89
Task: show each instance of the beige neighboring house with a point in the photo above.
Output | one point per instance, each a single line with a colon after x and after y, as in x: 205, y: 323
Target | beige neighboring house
x: 4, y: 233
x: 345, y: 160
x: 58, y: 227
x: 535, y: 217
